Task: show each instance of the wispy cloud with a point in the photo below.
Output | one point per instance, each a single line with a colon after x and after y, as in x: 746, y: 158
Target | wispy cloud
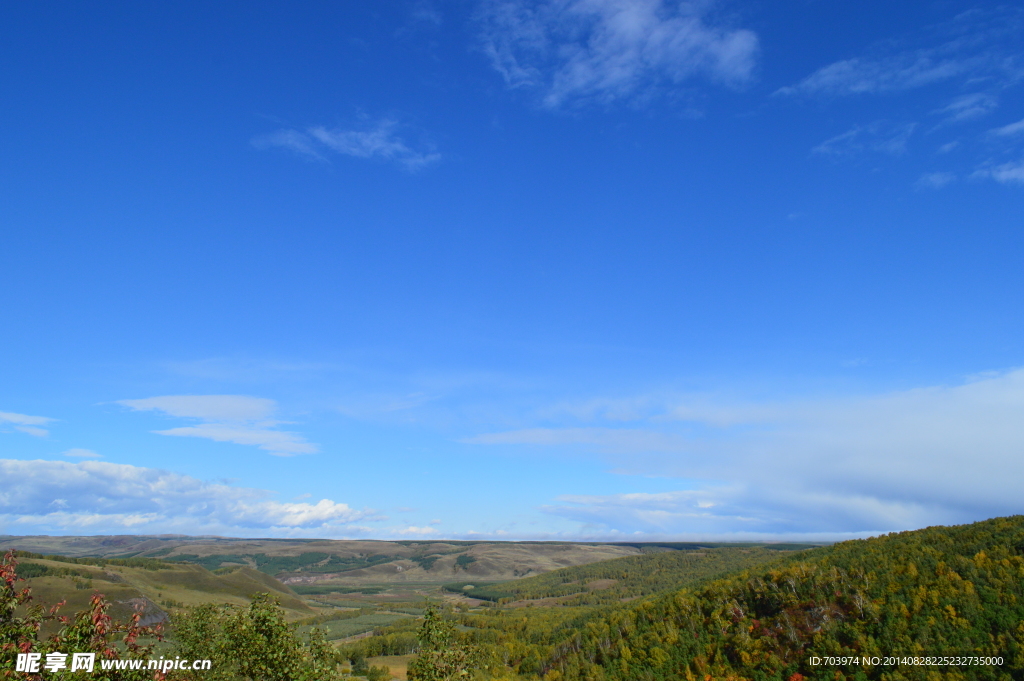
x: 1004, y: 173
x: 1009, y: 130
x: 603, y: 439
x: 868, y: 464
x: 379, y: 141
x: 31, y: 425
x: 239, y: 419
x: 78, y: 453
x: 414, y: 531
x: 58, y: 496
x: 207, y: 407
x: 974, y: 46
x: 606, y: 50
x: 887, y: 74
x: 880, y: 136
x: 424, y: 15
x: 936, y: 180
x: 968, y: 107
x: 959, y: 71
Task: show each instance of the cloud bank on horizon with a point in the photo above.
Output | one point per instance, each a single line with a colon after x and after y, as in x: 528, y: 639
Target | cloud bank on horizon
x: 937, y: 455
x: 93, y: 497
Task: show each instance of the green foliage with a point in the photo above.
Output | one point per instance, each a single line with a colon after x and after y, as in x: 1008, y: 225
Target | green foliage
x: 942, y: 591
x: 144, y: 563
x: 34, y: 570
x: 251, y: 643
x: 425, y: 562
x: 381, y: 673
x: 442, y: 656
x: 464, y: 561
x: 487, y: 591
x: 398, y: 638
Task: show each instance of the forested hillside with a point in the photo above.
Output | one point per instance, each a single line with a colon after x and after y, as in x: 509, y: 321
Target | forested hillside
x: 612, y: 581
x: 937, y: 592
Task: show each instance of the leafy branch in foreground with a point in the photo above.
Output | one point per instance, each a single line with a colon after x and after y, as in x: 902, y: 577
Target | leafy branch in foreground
x: 252, y: 643
x: 442, y: 657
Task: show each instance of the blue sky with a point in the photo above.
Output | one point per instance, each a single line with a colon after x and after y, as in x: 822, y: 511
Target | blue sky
x: 582, y: 269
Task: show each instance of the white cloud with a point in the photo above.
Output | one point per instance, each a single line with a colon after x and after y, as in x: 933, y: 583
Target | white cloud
x: 936, y: 180
x: 228, y: 418
x: 277, y: 442
x: 207, y: 407
x: 292, y: 140
x: 25, y: 423
x: 879, y: 136
x: 871, y: 76
x: 424, y: 14
x: 1011, y: 129
x: 875, y: 463
x: 607, y: 439
x: 79, y: 453
x: 610, y: 49
x: 970, y: 48
x: 968, y: 107
x: 1005, y: 173
x: 58, y: 496
x: 736, y: 513
x: 416, y: 531
x: 378, y: 141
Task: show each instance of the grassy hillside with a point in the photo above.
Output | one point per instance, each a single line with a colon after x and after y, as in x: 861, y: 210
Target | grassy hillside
x: 941, y: 591
x: 612, y: 581
x: 151, y: 584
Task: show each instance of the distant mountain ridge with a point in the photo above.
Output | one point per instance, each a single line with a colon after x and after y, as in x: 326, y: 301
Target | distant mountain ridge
x: 349, y: 562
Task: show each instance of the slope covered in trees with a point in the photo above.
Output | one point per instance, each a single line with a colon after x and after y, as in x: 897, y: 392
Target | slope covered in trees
x: 611, y: 581
x: 941, y: 592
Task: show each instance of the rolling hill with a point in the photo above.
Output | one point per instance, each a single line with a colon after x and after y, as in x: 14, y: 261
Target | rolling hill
x: 347, y: 563
x: 152, y: 585
x: 952, y: 595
